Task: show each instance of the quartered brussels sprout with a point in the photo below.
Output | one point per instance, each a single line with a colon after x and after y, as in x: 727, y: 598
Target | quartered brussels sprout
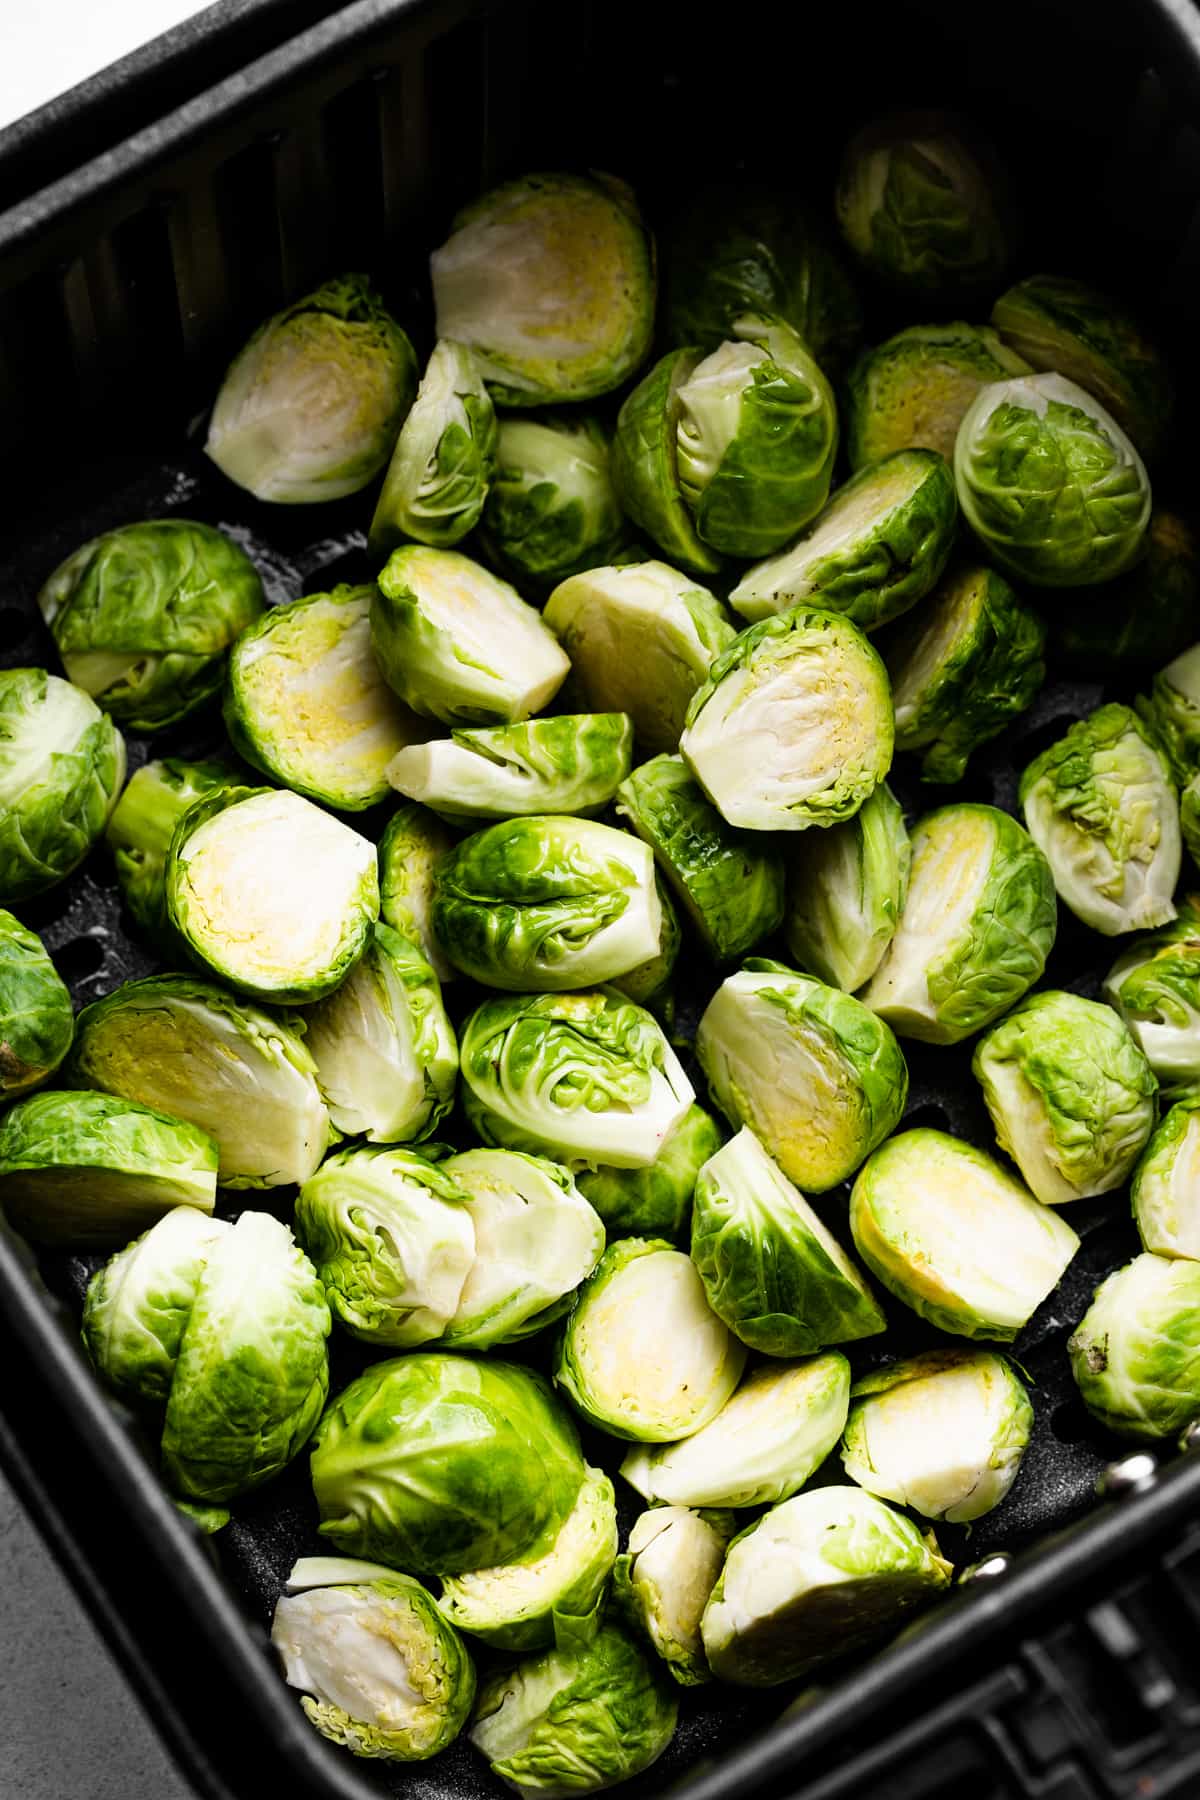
x: 141, y: 826
x: 137, y: 1307
x: 772, y: 1271
x: 536, y: 1239
x: 391, y: 1238
x: 1071, y: 1095
x: 641, y: 640
x: 910, y: 393
x: 818, y: 1078
x: 443, y: 1464
x: 550, y: 281
x: 413, y: 844
x: 823, y: 1574
x: 1143, y: 618
x: 514, y: 1607
x: 458, y: 644
x: 1172, y: 711
x: 645, y: 463
x: 37, y: 1021
x: 577, y: 1077
x: 572, y: 763
x: 956, y: 1237
x: 655, y: 1201
x: 588, y: 1714
x: 765, y: 1442
x: 793, y: 726
x: 650, y: 983
x: 1166, y: 1185
x: 730, y: 883
x: 1070, y: 328
x: 1135, y: 1354
x: 942, y: 1433
x: 142, y: 617
x: 642, y: 1356
x: 1155, y: 986
x: 380, y: 1670
x: 441, y: 468
x: 187, y: 1048
x: 307, y: 705
x: 663, y: 1581
x: 878, y: 547
x: 62, y: 763
x: 310, y: 408
x: 1099, y: 804
x: 962, y: 668
x: 923, y: 207
x: 270, y: 893
x: 977, y: 926
x: 1049, y: 483
x: 86, y: 1169
x: 552, y: 508
x: 845, y: 892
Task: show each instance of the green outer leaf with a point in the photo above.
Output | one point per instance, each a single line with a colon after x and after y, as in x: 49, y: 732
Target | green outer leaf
x: 1135, y: 1354
x: 571, y: 763
x: 441, y: 468
x: 845, y: 893
x: 1162, y: 1194
x: 1155, y: 986
x: 551, y: 509
x: 37, y: 1022
x: 62, y: 763
x: 650, y: 983
x: 1172, y: 714
x: 644, y: 468
x: 655, y: 1202
x: 911, y: 391
x: 1143, y: 618
x: 140, y: 829
x: 414, y: 842
x: 137, y: 1306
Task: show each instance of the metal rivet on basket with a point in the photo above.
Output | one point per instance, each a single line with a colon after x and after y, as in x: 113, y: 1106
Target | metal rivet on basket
x: 1189, y: 1437
x: 1128, y: 1476
x: 988, y: 1569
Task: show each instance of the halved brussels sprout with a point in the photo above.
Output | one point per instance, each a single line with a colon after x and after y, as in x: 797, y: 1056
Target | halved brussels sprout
x: 380, y: 1670
x: 1099, y: 804
x: 655, y: 1201
x: 642, y: 1356
x: 37, y: 1022
x: 878, y: 547
x: 818, y: 1078
x: 142, y: 617
x: 1135, y: 1354
x: 641, y: 640
x: 270, y: 893
x: 309, y: 409
x: 845, y: 892
x: 458, y: 644
x: 1155, y: 986
x: 577, y: 1077
x: 444, y: 1464
x: 644, y: 461
x: 441, y: 468
x: 942, y: 1433
x: 663, y: 1581
x: 650, y: 983
x: 62, y: 763
x: 414, y: 842
x: 136, y: 1308
x: 764, y: 1443
x: 956, y: 1237
x: 1166, y: 1185
x: 572, y: 763
x: 140, y: 829
x: 962, y: 668
x: 1143, y: 618
x: 1071, y: 1096
x: 1172, y: 711
x: 793, y: 726
x: 977, y: 926
x: 1049, y: 483
x: 910, y: 393
x: 552, y: 508
x: 823, y: 1574
x: 189, y: 1049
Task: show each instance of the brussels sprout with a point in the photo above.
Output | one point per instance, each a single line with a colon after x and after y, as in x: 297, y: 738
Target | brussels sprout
x: 458, y: 644
x: 413, y: 844
x: 823, y: 1574
x: 136, y: 1308
x: 642, y: 1356
x: 911, y: 392
x: 270, y: 893
x: 442, y: 464
x: 922, y: 207
x: 1049, y: 483
x: 818, y: 1078
x: 956, y: 1237
x: 242, y: 1075
x: 569, y: 764
x: 1155, y: 986
x: 142, y: 617
x: 845, y: 892
x: 1064, y: 326
x: 1136, y: 1352
x: 764, y: 1443
x: 310, y: 407
x: 1100, y: 806
x: 663, y: 1582
x: 1166, y: 1185
x: 1143, y: 618
x: 380, y: 1670
x: 655, y: 1201
x: 208, y: 1520
x: 141, y: 827
x: 514, y: 1607
x: 62, y: 763
x: 307, y: 705
x: 942, y: 1433
x: 793, y: 726
x: 977, y: 926
x: 962, y: 668
x: 1172, y: 712
x: 641, y: 640
x: 1189, y: 818
x: 1071, y: 1096
x: 444, y: 1464
x: 36, y: 1018
x: 650, y: 983
x: 644, y: 462
x: 584, y: 1716
x: 578, y: 1077
x: 731, y: 885
x: 878, y: 547
x: 552, y: 508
